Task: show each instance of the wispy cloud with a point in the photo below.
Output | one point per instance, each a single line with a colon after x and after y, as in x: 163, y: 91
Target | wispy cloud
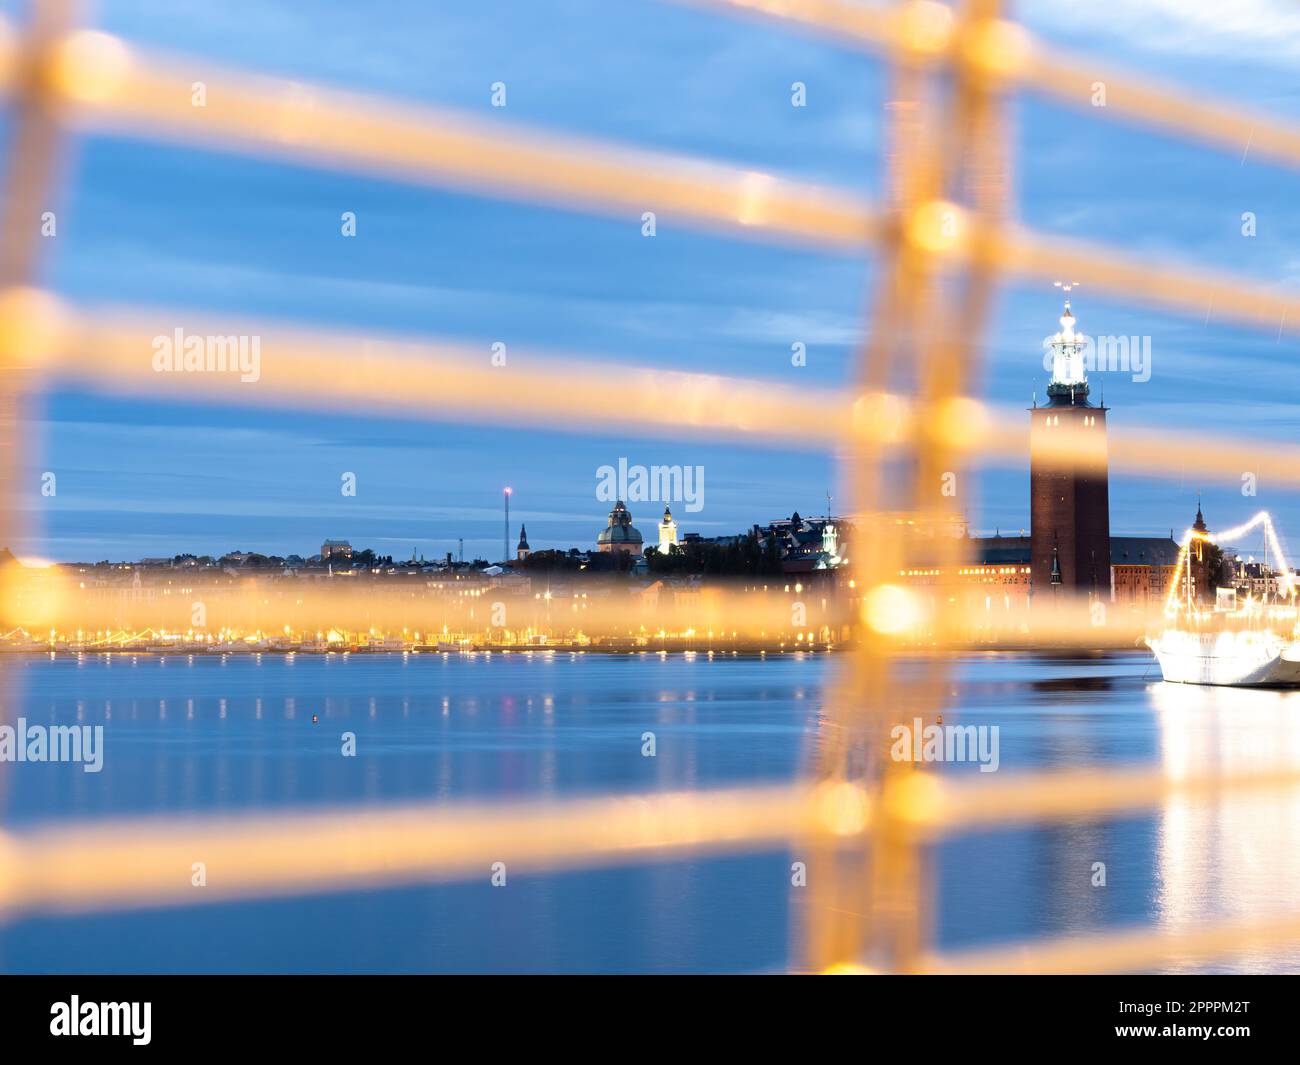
x: 1265, y: 31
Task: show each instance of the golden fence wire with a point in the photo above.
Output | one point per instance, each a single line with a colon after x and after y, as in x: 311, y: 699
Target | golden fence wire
x: 1009, y: 56
x: 940, y: 230
x: 99, y: 348
x: 30, y: 168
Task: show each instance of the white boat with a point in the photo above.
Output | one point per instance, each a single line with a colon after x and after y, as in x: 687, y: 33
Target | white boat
x: 1242, y: 658
x: 1255, y: 644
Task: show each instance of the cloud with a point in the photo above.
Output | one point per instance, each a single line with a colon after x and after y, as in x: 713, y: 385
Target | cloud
x: 1265, y: 31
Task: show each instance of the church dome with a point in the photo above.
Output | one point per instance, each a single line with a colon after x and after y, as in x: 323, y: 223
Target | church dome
x: 620, y: 533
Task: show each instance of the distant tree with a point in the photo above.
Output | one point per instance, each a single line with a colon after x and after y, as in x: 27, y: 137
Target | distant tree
x: 746, y: 557
x: 1218, y: 568
x: 610, y: 562
x: 550, y: 561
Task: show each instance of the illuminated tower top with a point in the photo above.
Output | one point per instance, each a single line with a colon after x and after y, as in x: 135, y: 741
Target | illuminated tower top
x: 1069, y: 384
x: 667, y: 532
x: 1069, y: 484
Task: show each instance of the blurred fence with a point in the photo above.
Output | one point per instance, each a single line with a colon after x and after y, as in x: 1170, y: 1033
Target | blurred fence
x: 943, y: 241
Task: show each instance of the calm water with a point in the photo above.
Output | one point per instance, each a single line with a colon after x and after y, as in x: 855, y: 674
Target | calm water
x: 206, y: 734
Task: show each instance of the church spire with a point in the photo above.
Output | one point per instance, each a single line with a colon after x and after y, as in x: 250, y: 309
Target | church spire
x: 667, y: 533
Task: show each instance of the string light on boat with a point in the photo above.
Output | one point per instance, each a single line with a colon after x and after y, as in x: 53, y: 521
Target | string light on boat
x: 1286, y: 580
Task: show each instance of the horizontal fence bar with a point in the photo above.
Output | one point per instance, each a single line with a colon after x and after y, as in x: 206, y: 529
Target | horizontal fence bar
x: 940, y: 808
x: 114, y: 350
x: 1125, y: 951
x: 103, y: 84
x: 1002, y: 435
x: 1010, y: 56
x: 1076, y: 80
x: 150, y: 862
x: 1213, y: 295
x: 871, y: 26
x: 447, y: 379
x: 108, y: 85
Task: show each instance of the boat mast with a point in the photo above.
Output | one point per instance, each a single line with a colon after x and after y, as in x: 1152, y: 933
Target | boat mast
x: 1267, y: 528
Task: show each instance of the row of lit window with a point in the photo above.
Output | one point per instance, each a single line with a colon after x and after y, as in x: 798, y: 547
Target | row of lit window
x: 976, y: 571
x: 1055, y: 419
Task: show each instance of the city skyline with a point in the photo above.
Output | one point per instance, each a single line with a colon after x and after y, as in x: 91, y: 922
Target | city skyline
x: 175, y: 229
x: 753, y: 449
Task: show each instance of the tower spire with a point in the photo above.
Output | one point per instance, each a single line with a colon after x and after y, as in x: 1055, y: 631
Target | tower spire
x: 1069, y: 384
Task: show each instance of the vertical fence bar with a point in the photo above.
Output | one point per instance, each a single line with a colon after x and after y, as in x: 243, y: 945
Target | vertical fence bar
x: 29, y: 182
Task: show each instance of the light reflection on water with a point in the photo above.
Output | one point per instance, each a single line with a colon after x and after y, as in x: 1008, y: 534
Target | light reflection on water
x: 212, y: 734
x: 1233, y: 857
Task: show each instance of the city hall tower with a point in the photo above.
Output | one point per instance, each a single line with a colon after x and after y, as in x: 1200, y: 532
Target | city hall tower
x: 1069, y: 494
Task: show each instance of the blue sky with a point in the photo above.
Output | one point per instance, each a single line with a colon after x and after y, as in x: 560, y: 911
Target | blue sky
x: 174, y: 227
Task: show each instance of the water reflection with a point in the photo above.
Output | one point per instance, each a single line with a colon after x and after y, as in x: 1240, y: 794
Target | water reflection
x: 1230, y: 856
x: 239, y: 735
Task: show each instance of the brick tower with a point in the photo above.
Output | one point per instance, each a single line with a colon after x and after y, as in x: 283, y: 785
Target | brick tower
x: 1069, y: 494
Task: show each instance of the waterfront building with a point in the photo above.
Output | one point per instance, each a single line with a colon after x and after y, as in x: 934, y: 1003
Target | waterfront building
x: 804, y: 545
x: 1141, y: 568
x: 337, y: 549
x: 1257, y: 580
